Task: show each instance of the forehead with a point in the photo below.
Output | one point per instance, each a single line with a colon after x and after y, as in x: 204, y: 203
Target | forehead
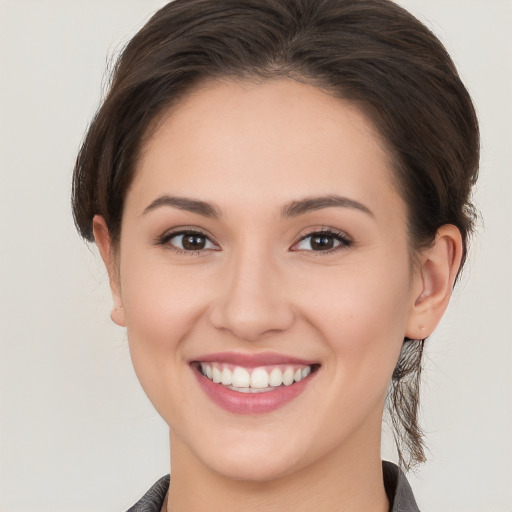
x: 262, y: 142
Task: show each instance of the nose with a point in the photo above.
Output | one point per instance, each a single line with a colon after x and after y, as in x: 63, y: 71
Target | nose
x: 252, y: 301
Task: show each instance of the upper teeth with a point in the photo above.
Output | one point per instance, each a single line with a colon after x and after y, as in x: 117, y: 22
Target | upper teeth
x: 256, y: 378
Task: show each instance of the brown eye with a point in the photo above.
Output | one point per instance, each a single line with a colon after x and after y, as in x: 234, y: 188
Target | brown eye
x: 193, y: 242
x: 323, y: 241
x: 189, y: 241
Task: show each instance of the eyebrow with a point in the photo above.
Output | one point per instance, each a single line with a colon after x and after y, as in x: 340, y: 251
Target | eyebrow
x: 184, y: 203
x: 292, y: 209
x: 310, y: 204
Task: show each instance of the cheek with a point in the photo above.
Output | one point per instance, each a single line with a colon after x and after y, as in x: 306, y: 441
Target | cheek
x: 162, y: 304
x: 160, y: 314
x: 160, y: 307
x: 361, y: 314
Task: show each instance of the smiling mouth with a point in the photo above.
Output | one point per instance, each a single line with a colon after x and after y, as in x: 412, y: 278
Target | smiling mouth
x: 254, y: 380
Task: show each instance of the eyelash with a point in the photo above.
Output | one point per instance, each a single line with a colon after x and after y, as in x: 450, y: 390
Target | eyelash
x: 166, y: 238
x: 339, y: 236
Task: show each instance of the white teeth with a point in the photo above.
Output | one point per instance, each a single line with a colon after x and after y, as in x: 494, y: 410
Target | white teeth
x: 288, y: 376
x: 227, y: 377
x: 276, y: 377
x: 241, y: 378
x: 216, y: 375
x: 250, y: 390
x: 259, y: 378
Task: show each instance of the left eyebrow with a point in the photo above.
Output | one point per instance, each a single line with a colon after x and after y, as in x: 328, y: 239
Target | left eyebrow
x: 309, y: 204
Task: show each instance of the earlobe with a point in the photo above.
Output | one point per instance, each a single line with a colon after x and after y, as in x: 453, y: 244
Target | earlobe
x: 105, y: 246
x: 436, y: 275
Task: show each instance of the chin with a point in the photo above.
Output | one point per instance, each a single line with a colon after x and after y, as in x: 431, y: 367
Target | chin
x: 254, y: 458
x: 258, y: 470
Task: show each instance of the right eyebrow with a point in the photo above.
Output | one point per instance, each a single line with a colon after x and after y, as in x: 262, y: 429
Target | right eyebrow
x: 185, y: 203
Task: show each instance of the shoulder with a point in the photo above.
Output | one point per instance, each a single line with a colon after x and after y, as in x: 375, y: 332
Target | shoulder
x: 399, y: 491
x: 153, y: 500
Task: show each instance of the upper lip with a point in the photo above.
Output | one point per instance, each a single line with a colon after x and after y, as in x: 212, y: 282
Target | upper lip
x: 251, y: 360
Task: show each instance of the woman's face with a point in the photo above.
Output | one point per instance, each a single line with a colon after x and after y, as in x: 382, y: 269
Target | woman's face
x: 263, y: 240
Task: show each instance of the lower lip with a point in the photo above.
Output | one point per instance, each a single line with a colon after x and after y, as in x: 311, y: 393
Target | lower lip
x: 251, y: 403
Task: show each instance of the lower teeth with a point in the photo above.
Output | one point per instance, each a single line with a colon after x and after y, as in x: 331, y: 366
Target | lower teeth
x: 251, y: 390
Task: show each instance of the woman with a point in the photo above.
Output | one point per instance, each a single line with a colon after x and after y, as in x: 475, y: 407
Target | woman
x: 280, y: 194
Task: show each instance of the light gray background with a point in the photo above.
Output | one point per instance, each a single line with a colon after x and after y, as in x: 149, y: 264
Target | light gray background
x: 76, y: 431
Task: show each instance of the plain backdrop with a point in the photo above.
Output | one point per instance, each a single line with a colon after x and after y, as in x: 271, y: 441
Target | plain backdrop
x: 76, y: 431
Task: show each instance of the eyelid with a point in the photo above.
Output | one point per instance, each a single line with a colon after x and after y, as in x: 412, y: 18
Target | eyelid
x: 184, y: 230
x: 344, y: 239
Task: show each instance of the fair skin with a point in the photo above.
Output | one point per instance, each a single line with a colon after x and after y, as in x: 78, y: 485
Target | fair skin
x: 259, y: 282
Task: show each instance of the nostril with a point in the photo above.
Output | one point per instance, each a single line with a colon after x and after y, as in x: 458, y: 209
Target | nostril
x: 251, y: 320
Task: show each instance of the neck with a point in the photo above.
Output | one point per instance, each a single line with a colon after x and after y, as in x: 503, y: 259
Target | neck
x: 343, y: 481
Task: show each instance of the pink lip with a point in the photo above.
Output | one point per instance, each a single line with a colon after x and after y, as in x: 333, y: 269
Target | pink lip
x: 251, y: 403
x: 251, y: 360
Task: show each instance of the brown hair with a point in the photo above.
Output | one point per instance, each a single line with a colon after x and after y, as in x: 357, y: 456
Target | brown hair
x: 370, y: 52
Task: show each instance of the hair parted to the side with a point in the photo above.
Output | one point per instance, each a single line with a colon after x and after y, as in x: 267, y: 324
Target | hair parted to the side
x: 370, y: 52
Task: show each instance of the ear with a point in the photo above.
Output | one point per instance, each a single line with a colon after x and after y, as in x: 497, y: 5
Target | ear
x: 434, y: 282
x: 104, y: 243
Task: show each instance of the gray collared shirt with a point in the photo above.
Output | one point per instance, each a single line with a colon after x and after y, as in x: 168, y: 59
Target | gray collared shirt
x: 397, y: 487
